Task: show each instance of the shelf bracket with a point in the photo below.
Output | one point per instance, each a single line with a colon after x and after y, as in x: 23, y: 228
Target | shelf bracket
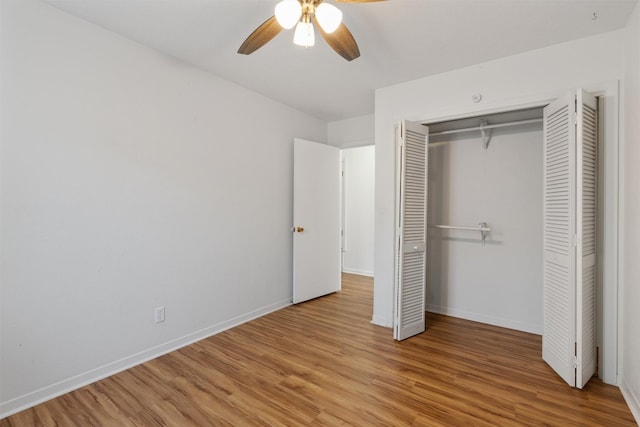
x: 484, y: 231
x: 486, y: 134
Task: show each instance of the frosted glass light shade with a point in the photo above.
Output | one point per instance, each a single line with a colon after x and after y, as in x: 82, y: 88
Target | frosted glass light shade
x: 329, y: 17
x: 304, y: 35
x: 288, y: 13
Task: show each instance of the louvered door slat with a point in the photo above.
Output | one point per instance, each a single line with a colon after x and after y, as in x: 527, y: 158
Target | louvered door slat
x: 411, y: 211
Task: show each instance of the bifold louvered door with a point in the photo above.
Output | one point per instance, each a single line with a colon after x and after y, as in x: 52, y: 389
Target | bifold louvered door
x: 586, y: 183
x: 411, y: 229
x: 569, y: 221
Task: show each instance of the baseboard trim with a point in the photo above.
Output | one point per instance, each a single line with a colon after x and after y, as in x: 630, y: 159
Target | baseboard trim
x: 358, y: 272
x: 31, y: 399
x: 482, y: 318
x: 632, y: 400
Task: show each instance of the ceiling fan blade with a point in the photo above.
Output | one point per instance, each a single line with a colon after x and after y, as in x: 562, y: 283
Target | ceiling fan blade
x: 260, y: 36
x: 358, y: 1
x: 341, y: 41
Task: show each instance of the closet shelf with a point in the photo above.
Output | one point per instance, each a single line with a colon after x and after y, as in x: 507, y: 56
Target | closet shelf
x: 484, y: 129
x: 487, y: 126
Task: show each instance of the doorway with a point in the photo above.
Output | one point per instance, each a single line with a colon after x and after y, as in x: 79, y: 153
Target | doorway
x: 583, y: 118
x: 358, y: 188
x: 486, y: 170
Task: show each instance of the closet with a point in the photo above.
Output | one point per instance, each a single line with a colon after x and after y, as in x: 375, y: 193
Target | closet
x: 491, y: 276
x: 508, y: 234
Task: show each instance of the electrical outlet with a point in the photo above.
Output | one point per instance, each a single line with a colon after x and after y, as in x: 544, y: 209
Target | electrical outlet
x: 158, y: 314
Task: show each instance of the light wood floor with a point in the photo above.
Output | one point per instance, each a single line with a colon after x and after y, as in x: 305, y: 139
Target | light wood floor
x: 324, y: 363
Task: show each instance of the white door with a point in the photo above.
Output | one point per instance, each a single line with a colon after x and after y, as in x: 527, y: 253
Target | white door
x: 411, y: 229
x: 569, y: 222
x: 316, y: 220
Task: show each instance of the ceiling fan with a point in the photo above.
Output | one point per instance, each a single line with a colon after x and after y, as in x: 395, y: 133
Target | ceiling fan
x: 303, y: 14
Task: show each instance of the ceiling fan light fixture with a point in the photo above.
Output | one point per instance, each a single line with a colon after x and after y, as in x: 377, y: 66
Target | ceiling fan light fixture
x: 288, y: 13
x: 304, y: 35
x: 329, y: 17
x: 306, y: 14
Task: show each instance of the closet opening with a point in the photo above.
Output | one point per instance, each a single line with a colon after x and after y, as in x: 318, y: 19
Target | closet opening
x: 498, y: 219
x: 485, y: 173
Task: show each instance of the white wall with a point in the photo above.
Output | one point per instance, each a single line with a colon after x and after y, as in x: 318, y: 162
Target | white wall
x: 353, y: 132
x: 505, y: 83
x: 358, y: 207
x: 500, y: 281
x: 129, y: 180
x: 630, y: 383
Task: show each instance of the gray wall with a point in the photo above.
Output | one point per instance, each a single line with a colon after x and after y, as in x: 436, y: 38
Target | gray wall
x: 630, y: 382
x: 129, y: 181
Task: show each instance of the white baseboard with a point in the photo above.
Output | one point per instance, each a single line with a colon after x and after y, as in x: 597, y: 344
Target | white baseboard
x: 358, y: 272
x: 633, y: 401
x: 482, y: 318
x: 28, y: 400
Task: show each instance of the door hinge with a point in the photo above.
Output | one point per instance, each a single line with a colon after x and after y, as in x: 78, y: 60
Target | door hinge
x: 575, y: 362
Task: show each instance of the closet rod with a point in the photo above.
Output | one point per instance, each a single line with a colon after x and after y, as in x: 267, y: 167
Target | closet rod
x: 456, y: 227
x: 498, y: 125
x: 482, y: 227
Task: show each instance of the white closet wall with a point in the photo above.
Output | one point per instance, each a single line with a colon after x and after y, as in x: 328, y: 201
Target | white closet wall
x: 358, y: 200
x: 498, y: 282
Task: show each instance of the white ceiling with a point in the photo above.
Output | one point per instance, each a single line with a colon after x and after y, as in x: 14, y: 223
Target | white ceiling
x: 399, y: 40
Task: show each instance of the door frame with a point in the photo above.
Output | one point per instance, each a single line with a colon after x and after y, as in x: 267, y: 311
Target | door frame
x: 610, y: 177
x: 343, y: 208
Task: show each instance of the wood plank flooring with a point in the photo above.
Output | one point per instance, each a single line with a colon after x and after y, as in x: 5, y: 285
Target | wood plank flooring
x: 322, y: 363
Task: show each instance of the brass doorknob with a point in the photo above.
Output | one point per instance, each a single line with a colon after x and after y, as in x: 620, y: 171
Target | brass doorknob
x: 300, y: 229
